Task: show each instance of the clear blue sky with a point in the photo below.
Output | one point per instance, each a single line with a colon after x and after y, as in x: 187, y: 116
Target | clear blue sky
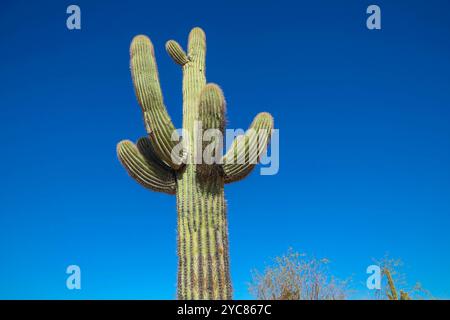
x: 364, y: 119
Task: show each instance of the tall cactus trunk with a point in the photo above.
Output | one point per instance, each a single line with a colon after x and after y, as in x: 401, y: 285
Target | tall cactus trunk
x: 203, y: 271
x: 203, y: 266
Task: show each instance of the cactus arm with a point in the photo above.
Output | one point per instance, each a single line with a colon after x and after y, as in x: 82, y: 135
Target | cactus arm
x: 211, y: 115
x: 212, y: 108
x: 144, y: 170
x: 393, y: 291
x: 245, y: 151
x: 146, y: 148
x: 148, y: 91
x: 404, y: 295
x: 176, y: 52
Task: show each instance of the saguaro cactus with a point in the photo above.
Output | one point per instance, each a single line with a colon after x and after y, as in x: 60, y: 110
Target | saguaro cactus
x: 392, y: 293
x: 203, y: 267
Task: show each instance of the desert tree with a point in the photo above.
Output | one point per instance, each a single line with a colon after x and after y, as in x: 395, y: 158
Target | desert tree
x: 295, y: 276
x: 394, y: 285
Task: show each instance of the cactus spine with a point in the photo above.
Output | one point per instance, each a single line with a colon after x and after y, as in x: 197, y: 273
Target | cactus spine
x: 203, y: 255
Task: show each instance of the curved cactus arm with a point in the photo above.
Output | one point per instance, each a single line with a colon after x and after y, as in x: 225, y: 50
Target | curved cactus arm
x: 175, y: 51
x: 211, y: 116
x: 144, y: 170
x: 392, y: 295
x: 404, y: 295
x: 246, y: 150
x: 146, y: 149
x: 148, y: 91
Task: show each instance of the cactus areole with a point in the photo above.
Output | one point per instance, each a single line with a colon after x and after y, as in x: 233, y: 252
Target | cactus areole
x: 203, y: 250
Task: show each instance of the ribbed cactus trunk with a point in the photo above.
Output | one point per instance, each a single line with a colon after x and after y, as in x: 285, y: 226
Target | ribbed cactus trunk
x: 203, y: 267
x: 203, y: 255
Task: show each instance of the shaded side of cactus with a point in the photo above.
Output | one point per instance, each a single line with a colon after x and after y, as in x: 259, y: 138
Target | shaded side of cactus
x: 203, y: 250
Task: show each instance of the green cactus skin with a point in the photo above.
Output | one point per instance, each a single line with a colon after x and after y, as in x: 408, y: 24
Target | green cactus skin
x: 203, y: 250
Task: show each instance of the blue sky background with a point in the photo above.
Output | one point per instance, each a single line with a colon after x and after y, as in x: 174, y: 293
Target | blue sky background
x: 364, y: 119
